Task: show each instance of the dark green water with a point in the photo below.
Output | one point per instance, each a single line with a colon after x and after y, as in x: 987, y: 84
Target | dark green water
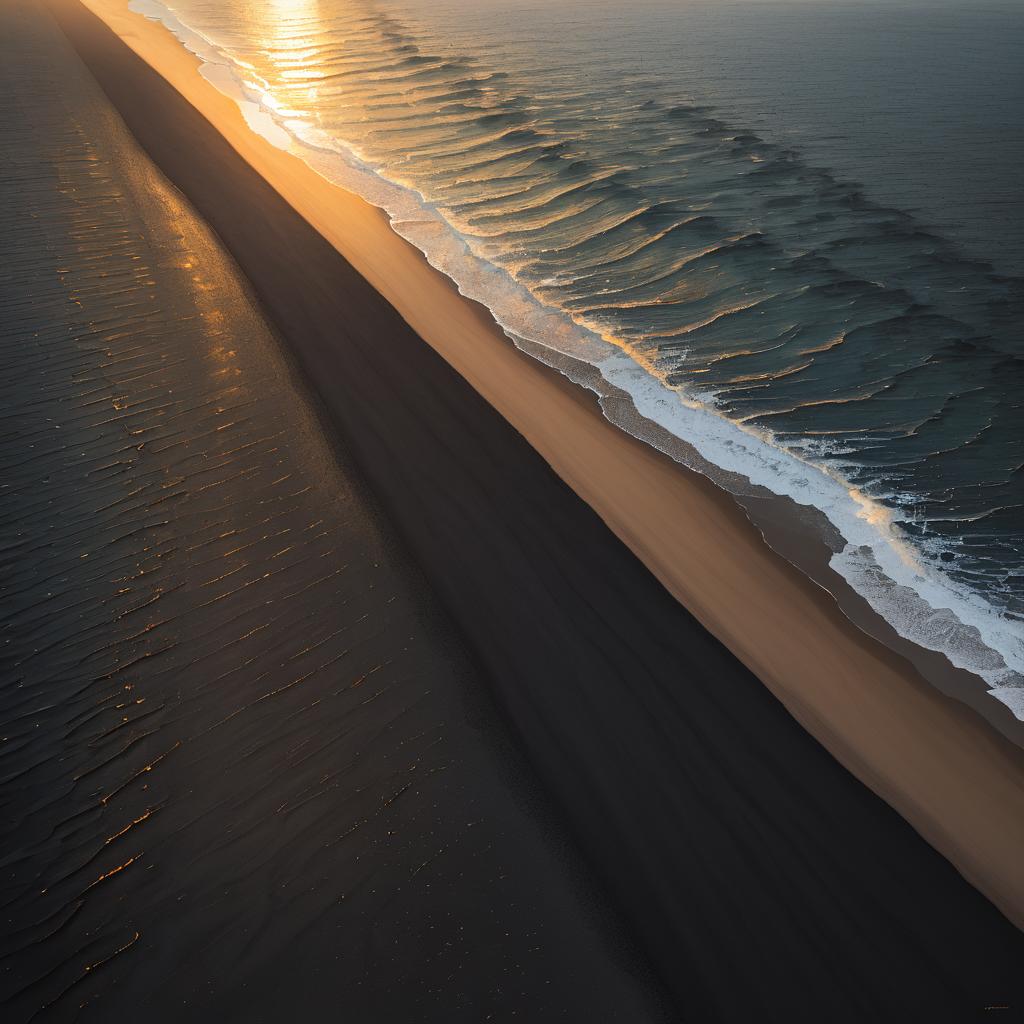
x: 790, y: 232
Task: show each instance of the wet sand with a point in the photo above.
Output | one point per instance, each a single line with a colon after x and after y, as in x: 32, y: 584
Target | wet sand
x: 761, y: 877
x: 249, y: 771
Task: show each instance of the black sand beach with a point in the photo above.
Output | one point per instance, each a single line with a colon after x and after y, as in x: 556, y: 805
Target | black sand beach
x: 760, y: 878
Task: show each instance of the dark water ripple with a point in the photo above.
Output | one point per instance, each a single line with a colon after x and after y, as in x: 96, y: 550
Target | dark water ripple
x: 236, y: 768
x: 845, y: 330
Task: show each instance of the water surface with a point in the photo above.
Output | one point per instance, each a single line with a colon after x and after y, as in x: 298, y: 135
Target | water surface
x: 791, y: 233
x: 246, y: 770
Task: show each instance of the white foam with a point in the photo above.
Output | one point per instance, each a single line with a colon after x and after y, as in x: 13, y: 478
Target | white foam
x: 923, y: 604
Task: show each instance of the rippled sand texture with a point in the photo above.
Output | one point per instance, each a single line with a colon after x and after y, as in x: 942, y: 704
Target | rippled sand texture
x: 239, y: 774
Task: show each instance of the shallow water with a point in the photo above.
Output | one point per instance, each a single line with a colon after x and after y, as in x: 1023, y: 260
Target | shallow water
x: 791, y: 232
x: 246, y: 773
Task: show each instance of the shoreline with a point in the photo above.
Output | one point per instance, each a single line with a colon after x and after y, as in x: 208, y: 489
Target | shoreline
x: 911, y: 610
x: 932, y: 758
x: 757, y: 873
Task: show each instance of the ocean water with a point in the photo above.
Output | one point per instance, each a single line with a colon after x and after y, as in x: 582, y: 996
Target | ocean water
x: 789, y: 234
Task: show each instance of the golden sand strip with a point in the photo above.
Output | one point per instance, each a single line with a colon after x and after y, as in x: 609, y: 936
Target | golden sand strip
x: 958, y: 782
